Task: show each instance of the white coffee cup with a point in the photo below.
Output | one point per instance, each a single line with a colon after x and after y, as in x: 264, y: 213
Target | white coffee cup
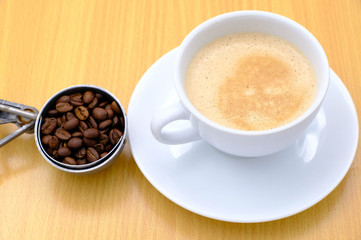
x: 232, y: 141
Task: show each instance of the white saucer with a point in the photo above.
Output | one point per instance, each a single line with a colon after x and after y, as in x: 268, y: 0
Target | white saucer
x: 205, y: 181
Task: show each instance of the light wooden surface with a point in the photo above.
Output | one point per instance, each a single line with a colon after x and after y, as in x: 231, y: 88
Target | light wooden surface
x: 47, y: 45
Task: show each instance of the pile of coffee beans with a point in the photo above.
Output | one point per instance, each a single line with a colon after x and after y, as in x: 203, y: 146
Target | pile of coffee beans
x: 82, y: 127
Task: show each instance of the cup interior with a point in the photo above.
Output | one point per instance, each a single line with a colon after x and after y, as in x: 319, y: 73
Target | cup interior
x: 252, y: 21
x: 89, y: 167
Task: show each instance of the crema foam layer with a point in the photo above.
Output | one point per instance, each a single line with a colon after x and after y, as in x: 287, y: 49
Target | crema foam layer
x: 250, y: 81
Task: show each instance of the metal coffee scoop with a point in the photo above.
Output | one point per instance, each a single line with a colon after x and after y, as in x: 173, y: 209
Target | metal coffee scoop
x: 28, y: 120
x: 21, y: 115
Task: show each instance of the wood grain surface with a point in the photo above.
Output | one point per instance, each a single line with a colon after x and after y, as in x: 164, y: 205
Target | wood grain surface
x: 47, y: 45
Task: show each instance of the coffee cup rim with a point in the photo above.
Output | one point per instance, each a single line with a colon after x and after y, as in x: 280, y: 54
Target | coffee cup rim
x: 321, y: 93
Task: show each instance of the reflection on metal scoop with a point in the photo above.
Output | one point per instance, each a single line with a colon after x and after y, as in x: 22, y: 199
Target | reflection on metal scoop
x: 21, y: 115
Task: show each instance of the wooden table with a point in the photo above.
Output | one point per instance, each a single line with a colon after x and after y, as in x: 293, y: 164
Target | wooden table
x: 46, y: 46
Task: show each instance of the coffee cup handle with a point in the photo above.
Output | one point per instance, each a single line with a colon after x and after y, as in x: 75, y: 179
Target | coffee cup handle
x: 174, y: 136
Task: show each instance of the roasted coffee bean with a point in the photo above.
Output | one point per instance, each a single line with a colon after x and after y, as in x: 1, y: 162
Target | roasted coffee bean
x: 115, y: 136
x: 83, y: 126
x: 64, y: 152
x: 75, y: 143
x: 92, y: 122
x: 81, y: 153
x: 88, y: 97
x: 110, y: 113
x: 71, y: 124
x: 62, y: 134
x: 104, y: 131
x: 99, y: 147
x: 102, y: 104
x: 89, y: 142
x: 64, y: 98
x: 92, y: 155
x: 104, y: 139
x: 115, y: 121
x: 45, y: 139
x: 52, y: 113
x: 105, y: 124
x: 108, y: 148
x: 76, y: 99
x: 121, y: 120
x: 108, y: 107
x: 99, y: 114
x: 93, y: 103
x: 63, y: 107
x: 99, y: 95
x: 116, y: 108
x: 69, y: 160
x: 55, y: 154
x: 81, y: 113
x: 59, y: 121
x: 81, y: 161
x: 49, y: 125
x: 77, y: 134
x: 54, y: 142
x: 103, y: 154
x: 62, y: 121
x: 91, y: 133
x: 49, y: 151
x: 69, y: 115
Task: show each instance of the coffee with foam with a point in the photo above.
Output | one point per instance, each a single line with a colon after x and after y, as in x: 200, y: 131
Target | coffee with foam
x: 250, y: 81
